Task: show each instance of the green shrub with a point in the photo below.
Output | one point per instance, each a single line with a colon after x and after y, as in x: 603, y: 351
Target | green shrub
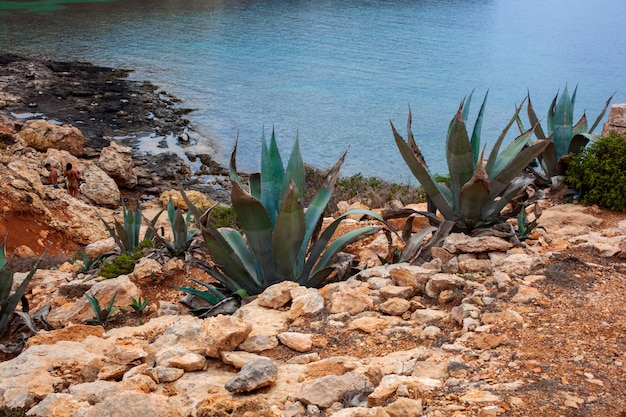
x: 122, y: 265
x: 224, y: 216
x: 598, y: 173
x: 371, y: 191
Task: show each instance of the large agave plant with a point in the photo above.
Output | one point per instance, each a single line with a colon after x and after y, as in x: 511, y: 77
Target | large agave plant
x: 480, y: 189
x: 567, y: 137
x: 282, y: 240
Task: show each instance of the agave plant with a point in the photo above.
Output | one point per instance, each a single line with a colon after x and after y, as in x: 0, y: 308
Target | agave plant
x: 9, y: 300
x: 182, y: 233
x: 479, y: 190
x: 567, y: 138
x: 102, y: 316
x: 126, y: 235
x: 281, y: 240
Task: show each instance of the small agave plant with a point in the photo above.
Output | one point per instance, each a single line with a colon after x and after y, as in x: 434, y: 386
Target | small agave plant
x: 480, y: 189
x: 567, y: 138
x: 282, y: 239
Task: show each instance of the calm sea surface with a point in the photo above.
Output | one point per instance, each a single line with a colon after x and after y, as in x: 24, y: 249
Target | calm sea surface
x: 336, y: 72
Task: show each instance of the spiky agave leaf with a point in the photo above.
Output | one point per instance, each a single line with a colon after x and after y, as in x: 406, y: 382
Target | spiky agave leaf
x: 288, y: 235
x: 459, y: 156
x: 438, y: 193
x: 272, y: 177
x: 474, y: 194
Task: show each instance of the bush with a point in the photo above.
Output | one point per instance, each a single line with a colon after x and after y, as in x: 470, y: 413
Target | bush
x: 373, y: 191
x: 598, y: 174
x: 224, y: 216
x: 122, y: 265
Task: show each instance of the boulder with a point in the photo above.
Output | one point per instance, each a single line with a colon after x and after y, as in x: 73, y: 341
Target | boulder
x: 41, y: 135
x: 117, y: 161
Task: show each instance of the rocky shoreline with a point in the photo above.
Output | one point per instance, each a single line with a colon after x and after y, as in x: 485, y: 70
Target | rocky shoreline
x: 105, y: 106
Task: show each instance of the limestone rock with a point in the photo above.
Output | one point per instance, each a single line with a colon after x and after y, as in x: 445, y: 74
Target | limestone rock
x: 117, y: 161
x: 41, y: 135
x: 254, y: 375
x: 300, y: 342
x: 461, y: 243
x: 277, y: 295
x: 99, y: 188
x: 323, y: 392
x: 222, y: 333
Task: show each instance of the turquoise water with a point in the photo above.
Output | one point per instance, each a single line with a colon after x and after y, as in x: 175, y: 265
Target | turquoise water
x: 336, y: 72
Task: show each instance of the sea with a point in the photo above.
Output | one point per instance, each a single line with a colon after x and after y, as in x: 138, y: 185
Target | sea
x: 335, y: 74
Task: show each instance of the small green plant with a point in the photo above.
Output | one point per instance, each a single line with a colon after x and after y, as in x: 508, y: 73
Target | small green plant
x: 123, y: 264
x: 89, y: 264
x: 566, y: 137
x: 525, y: 226
x: 101, y: 316
x: 138, y: 306
x: 126, y: 235
x: 8, y: 300
x: 283, y: 240
x: 479, y: 189
x: 598, y: 173
x: 182, y: 233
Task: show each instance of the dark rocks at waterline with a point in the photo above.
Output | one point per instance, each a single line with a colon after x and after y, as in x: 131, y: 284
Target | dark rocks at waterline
x: 100, y: 101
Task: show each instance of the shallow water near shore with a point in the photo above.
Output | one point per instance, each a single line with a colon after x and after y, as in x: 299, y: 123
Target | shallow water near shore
x: 336, y: 73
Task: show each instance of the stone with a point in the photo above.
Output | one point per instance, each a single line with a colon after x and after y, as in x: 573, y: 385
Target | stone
x: 42, y: 134
x: 188, y: 362
x: 117, y: 161
x: 461, y: 243
x: 395, y: 291
x: 222, y: 333
x: 238, y: 358
x: 306, y: 305
x: 404, y: 274
x: 502, y: 318
x: 368, y: 324
x: 428, y: 315
x: 147, y: 268
x: 323, y: 392
x: 395, y: 306
x: 253, y: 375
x: 440, y: 282
x: 484, y: 341
x: 299, y: 342
x: 99, y: 189
x: 352, y: 300
x: 405, y: 407
x: 477, y: 397
x: 526, y: 294
x: 277, y: 295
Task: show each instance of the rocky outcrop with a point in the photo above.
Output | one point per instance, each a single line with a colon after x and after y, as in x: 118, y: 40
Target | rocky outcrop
x: 616, y: 121
x: 117, y: 161
x: 43, y: 135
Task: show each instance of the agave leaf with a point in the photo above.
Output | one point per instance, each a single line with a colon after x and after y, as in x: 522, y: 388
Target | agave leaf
x: 562, y: 121
x: 515, y: 167
x: 312, y: 217
x: 232, y: 168
x: 493, y: 155
x: 288, y: 235
x: 579, y: 141
x: 475, y: 193
x: 601, y: 115
x: 411, y: 250
x: 493, y: 207
x: 497, y: 162
x: 110, y: 306
x: 336, y: 246
x: 236, y: 241
x: 418, y: 167
x: 257, y: 225
x: 272, y: 173
x: 581, y: 125
x: 548, y: 159
x: 534, y: 120
x: 459, y: 156
x: 333, y: 173
x: 295, y: 171
x: 475, y: 141
x: 14, y: 299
